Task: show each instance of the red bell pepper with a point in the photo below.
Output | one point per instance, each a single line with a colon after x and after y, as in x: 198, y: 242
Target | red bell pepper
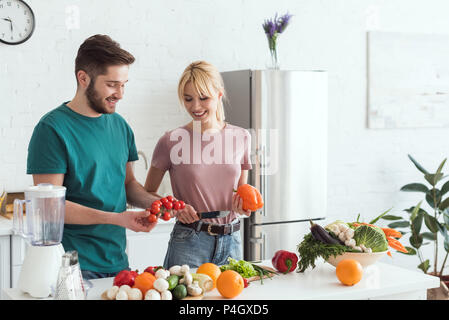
x: 284, y: 261
x: 125, y: 277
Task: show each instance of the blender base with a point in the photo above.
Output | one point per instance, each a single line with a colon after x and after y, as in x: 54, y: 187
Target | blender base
x: 40, y: 268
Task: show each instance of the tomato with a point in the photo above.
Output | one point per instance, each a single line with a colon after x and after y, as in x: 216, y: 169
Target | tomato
x: 155, y: 208
x: 182, y: 203
x: 176, y: 205
x: 164, y: 200
x: 166, y: 216
x: 171, y: 198
x: 157, y: 202
x: 168, y: 205
x: 152, y: 218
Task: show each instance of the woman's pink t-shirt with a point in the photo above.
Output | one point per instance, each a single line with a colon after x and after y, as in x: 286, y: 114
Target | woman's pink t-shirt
x: 204, y: 167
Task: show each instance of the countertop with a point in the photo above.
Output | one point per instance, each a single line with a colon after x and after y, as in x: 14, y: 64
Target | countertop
x: 379, y: 281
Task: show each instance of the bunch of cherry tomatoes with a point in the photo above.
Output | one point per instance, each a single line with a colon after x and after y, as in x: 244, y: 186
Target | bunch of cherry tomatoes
x: 162, y: 208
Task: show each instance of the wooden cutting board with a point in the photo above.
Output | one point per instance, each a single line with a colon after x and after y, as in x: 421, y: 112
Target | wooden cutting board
x: 272, y: 271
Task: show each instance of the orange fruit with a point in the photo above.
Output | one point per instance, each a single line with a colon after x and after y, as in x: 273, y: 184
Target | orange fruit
x: 144, y: 282
x: 212, y: 270
x: 349, y: 272
x: 230, y: 284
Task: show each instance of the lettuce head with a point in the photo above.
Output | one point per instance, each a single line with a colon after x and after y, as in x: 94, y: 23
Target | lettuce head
x: 371, y: 237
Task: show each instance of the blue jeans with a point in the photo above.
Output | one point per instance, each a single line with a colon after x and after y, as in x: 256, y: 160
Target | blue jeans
x: 191, y: 247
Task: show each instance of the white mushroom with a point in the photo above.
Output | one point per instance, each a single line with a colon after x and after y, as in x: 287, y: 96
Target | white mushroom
x: 342, y: 236
x: 121, y: 295
x: 185, y: 269
x: 125, y: 288
x: 135, y: 294
x: 166, y: 295
x: 162, y: 273
x: 349, y: 233
x: 187, y: 279
x: 369, y: 250
x: 152, y: 295
x: 176, y: 270
x: 161, y: 284
x: 350, y: 243
x: 194, y: 289
x: 112, y: 292
x: 343, y: 227
x: 335, y: 229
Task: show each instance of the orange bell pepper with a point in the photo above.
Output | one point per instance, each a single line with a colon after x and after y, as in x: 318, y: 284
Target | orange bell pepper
x: 252, y: 199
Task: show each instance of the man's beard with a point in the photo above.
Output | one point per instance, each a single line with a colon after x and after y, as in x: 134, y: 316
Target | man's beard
x: 95, y: 102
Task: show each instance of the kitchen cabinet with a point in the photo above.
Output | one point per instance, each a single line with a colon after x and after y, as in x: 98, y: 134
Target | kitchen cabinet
x: 18, y: 251
x: 5, y: 256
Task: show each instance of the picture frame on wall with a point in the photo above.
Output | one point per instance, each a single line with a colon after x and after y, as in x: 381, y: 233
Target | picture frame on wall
x: 408, y: 80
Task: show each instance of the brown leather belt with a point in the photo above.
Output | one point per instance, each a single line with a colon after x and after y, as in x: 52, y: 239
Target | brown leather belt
x: 214, y: 229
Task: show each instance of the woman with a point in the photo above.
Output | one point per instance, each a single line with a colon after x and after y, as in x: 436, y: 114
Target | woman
x: 206, y: 159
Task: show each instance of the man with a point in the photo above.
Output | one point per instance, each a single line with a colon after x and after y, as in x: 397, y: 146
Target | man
x: 87, y: 147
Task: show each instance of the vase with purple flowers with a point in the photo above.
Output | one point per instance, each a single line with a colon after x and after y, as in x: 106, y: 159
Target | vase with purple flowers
x: 273, y: 28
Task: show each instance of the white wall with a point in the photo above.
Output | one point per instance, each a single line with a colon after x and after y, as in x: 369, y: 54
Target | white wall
x: 366, y: 167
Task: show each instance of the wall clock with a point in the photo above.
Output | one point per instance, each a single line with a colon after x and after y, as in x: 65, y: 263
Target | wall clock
x: 16, y: 21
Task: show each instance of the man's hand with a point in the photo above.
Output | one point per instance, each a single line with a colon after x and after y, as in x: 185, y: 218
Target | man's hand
x: 136, y: 221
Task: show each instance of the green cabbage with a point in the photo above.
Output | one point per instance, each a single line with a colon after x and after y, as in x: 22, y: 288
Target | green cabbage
x: 243, y: 267
x: 371, y: 237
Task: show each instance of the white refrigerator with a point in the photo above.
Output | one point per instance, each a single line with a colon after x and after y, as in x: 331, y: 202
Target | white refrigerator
x: 286, y: 114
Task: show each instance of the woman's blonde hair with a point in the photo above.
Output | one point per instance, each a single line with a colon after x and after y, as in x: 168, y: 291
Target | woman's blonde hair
x: 206, y: 79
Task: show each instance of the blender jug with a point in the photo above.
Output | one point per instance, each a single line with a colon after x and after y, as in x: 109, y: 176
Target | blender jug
x: 45, y: 209
x: 42, y: 228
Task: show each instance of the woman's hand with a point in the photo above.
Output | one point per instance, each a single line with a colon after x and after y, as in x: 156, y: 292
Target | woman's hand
x: 237, y: 205
x: 187, y: 215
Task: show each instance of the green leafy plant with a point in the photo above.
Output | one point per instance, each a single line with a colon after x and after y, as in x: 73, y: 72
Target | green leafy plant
x: 435, y: 222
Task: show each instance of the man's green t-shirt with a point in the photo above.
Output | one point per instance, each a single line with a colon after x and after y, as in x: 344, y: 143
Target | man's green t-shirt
x: 92, y: 153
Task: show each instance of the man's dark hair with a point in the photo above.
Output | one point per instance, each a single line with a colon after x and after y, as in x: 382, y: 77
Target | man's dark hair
x: 97, y: 53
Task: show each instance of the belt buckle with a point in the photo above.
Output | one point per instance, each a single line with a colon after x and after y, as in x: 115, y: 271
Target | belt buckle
x: 209, y: 227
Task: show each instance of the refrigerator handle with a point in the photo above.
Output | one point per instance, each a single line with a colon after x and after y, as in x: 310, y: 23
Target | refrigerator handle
x: 263, y: 178
x: 263, y: 246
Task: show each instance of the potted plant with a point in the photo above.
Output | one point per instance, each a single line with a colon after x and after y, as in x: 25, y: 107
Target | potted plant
x: 436, y: 220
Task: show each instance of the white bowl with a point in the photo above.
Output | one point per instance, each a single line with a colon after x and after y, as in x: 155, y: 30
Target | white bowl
x: 364, y: 258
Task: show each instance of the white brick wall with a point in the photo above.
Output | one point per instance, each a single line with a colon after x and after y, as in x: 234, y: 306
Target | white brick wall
x: 366, y: 167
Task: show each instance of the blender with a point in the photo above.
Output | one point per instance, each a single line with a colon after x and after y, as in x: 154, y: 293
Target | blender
x: 42, y: 228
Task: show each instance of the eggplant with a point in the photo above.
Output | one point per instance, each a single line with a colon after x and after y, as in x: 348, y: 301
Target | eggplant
x: 321, y: 234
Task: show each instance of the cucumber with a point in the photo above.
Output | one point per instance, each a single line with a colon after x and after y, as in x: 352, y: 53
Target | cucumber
x: 179, y: 292
x: 172, y: 281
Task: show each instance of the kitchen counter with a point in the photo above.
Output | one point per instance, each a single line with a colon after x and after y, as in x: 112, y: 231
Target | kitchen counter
x: 380, y: 281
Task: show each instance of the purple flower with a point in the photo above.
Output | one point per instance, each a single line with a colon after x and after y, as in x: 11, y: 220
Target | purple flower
x: 276, y: 25
x: 270, y: 27
x: 282, y: 22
